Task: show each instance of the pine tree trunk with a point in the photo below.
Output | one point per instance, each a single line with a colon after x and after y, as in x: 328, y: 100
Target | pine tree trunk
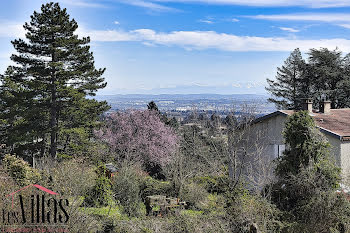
x: 53, y: 122
x: 53, y: 113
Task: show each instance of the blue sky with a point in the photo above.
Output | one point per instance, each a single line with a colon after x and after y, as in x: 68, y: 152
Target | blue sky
x: 191, y: 46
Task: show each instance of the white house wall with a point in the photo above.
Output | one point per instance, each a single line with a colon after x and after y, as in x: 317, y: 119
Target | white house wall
x: 270, y: 134
x: 345, y: 159
x: 335, y: 149
x: 261, y: 140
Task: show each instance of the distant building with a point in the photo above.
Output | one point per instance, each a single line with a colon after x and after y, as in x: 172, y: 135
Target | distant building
x: 333, y: 123
x: 111, y: 170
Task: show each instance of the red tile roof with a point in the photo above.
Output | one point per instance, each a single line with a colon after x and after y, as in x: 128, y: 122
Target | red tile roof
x: 337, y: 121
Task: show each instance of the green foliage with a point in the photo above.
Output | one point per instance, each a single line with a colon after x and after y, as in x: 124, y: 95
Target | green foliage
x: 152, y: 106
x: 247, y: 212
x: 20, y: 170
x: 191, y: 221
x: 126, y: 189
x: 325, y: 76
x: 213, y: 184
x: 150, y: 186
x: 173, y: 123
x: 104, y: 212
x: 329, y: 76
x: 310, y: 203
x: 101, y: 193
x: 193, y: 194
x: 214, y: 204
x: 82, y: 221
x: 70, y: 177
x: 305, y: 147
x: 44, y: 96
x: 307, y: 181
x: 76, y: 142
x: 181, y: 224
x: 200, y: 152
x: 289, y: 86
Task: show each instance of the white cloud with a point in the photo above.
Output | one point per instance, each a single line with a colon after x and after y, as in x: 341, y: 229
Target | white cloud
x: 81, y: 3
x: 269, y: 3
x: 321, y: 17
x: 107, y: 35
x: 344, y: 25
x: 149, y: 44
x: 148, y: 5
x: 235, y: 20
x: 206, y: 21
x: 289, y: 29
x: 201, y: 40
x: 339, y: 19
x: 116, y: 22
x: 11, y: 29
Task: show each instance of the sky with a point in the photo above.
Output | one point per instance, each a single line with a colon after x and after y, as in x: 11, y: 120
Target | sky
x: 191, y: 46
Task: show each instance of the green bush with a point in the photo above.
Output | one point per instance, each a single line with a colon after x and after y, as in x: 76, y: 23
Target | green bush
x: 193, y: 194
x: 307, y: 180
x: 71, y: 177
x: 213, y: 184
x: 126, y: 189
x: 214, y: 203
x: 100, y: 194
x: 150, y: 186
x: 104, y: 212
x: 196, y: 223
x: 252, y: 213
x: 81, y: 221
x: 20, y: 170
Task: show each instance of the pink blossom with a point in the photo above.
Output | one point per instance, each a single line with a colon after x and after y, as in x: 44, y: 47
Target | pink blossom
x: 139, y: 136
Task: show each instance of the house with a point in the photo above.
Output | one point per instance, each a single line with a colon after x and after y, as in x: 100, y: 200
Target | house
x: 111, y: 170
x: 333, y: 123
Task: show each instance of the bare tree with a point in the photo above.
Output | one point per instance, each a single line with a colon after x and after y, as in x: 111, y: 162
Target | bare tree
x: 240, y: 147
x: 246, y: 150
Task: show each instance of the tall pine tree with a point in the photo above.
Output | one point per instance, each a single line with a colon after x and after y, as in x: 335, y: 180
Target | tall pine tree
x: 288, y: 88
x: 326, y: 76
x: 45, y: 95
x: 328, y: 73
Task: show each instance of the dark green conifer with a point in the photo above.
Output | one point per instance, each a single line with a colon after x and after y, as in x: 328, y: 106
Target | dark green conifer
x: 288, y: 86
x: 45, y: 93
x: 307, y: 181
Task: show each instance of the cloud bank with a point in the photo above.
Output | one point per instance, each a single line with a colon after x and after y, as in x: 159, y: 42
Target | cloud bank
x: 265, y: 3
x: 201, y: 40
x: 320, y: 17
x: 289, y: 29
x: 197, y: 40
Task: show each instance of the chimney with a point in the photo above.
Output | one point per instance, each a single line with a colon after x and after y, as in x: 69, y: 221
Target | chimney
x: 325, y: 107
x: 306, y: 104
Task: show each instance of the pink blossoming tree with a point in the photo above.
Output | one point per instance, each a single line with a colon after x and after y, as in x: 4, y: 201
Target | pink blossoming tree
x: 139, y: 136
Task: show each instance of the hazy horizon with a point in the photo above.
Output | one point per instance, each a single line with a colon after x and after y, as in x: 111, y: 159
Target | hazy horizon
x: 227, y: 46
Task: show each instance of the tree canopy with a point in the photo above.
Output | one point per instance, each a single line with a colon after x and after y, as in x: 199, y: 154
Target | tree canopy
x: 139, y: 136
x: 324, y: 76
x: 288, y: 84
x: 44, y: 96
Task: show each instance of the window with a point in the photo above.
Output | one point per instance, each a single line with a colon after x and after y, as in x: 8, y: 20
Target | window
x: 281, y: 149
x: 277, y: 150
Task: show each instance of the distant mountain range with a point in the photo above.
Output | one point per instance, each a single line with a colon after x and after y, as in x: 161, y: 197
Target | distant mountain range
x: 183, y: 96
x: 197, y: 88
